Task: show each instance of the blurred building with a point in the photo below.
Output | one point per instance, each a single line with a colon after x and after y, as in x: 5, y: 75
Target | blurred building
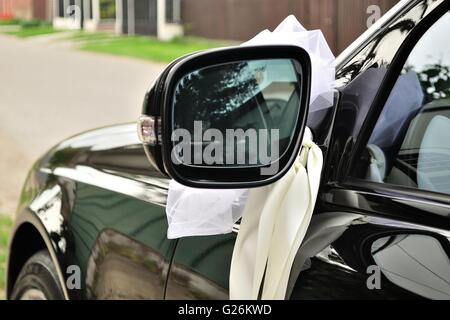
x: 160, y: 18
x: 26, y: 9
x: 341, y: 21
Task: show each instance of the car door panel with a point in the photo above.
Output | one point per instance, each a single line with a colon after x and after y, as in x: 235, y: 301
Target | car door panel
x: 347, y: 252
x: 121, y: 244
x: 200, y: 268
x: 404, y: 231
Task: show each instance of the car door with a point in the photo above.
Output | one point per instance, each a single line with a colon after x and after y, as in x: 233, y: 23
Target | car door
x: 360, y: 225
x: 395, y: 198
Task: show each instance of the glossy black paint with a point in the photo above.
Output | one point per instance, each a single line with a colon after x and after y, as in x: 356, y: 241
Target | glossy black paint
x: 101, y: 206
x: 95, y: 201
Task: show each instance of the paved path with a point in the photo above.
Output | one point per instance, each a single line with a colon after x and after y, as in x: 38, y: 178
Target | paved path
x: 49, y: 91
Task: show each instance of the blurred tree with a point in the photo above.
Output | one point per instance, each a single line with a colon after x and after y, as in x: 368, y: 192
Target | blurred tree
x: 212, y: 95
x: 435, y: 81
x: 107, y: 9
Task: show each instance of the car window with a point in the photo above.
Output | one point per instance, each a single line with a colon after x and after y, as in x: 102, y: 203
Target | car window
x: 410, y: 144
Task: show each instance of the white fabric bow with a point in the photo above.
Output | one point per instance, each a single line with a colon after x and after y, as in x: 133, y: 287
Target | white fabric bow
x: 276, y: 217
x: 273, y: 226
x: 291, y: 32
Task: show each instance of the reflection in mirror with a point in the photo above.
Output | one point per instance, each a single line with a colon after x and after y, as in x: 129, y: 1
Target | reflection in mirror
x: 236, y: 114
x: 415, y: 262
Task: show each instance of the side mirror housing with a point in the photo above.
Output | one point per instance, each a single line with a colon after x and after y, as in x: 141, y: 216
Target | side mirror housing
x: 228, y: 118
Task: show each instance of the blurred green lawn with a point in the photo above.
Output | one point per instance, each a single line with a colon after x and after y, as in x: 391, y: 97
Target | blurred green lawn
x: 146, y: 47
x: 9, y: 22
x: 31, y: 32
x: 28, y: 28
x: 141, y: 47
x: 5, y: 227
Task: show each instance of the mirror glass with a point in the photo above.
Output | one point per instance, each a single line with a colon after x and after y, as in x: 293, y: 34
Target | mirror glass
x: 236, y: 114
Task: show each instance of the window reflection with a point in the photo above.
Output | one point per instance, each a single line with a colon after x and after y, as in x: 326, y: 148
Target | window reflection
x: 257, y: 94
x: 409, y: 145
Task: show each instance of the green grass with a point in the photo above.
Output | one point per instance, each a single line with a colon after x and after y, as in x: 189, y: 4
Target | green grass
x: 81, y: 36
x: 146, y: 47
x: 31, y: 28
x: 141, y: 47
x: 5, y: 227
x: 9, y: 22
x: 31, y: 32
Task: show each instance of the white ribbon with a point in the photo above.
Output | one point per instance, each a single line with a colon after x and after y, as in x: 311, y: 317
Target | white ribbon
x: 273, y: 226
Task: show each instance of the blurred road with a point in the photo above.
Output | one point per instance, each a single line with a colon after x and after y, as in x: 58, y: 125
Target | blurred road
x: 49, y: 92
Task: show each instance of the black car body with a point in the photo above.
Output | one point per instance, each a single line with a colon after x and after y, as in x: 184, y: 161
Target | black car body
x: 94, y: 201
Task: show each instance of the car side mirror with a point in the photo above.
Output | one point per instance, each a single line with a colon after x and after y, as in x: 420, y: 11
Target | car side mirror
x: 228, y: 118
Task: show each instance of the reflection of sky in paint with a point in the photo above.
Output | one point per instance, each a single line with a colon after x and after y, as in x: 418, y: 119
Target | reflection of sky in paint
x: 434, y: 46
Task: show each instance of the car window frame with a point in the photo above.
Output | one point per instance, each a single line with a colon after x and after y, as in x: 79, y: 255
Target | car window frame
x: 347, y: 176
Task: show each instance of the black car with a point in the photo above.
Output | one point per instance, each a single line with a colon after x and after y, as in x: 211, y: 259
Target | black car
x: 94, y: 205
